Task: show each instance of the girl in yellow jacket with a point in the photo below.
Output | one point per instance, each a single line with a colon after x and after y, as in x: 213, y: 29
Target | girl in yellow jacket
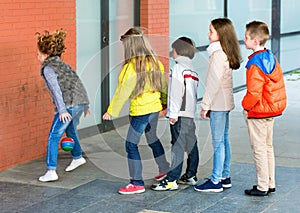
x: 141, y: 81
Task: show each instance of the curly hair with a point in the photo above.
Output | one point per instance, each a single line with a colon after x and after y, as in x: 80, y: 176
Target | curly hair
x: 52, y: 44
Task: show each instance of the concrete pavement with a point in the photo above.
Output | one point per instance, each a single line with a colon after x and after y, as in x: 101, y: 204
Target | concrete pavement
x: 93, y: 187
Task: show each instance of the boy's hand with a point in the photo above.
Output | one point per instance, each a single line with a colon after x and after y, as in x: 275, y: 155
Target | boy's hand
x: 65, y: 117
x: 106, y: 116
x: 172, y: 121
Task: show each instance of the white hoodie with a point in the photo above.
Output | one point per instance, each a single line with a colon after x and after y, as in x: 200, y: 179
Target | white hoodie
x: 182, y: 89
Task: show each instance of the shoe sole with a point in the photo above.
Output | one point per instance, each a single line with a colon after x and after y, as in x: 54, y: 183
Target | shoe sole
x: 164, y: 189
x: 135, y: 192
x: 257, y: 195
x: 227, y: 186
x: 208, y: 190
x: 44, y: 181
x: 255, y: 192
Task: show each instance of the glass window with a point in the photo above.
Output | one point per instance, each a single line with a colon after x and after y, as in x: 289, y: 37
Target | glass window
x: 89, y: 49
x: 289, y: 16
x: 121, y: 18
x: 88, y: 55
x: 191, y: 18
x: 242, y: 12
x: 200, y: 63
x: 289, y: 53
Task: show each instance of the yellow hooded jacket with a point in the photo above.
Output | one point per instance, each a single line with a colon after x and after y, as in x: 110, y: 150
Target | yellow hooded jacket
x: 148, y: 102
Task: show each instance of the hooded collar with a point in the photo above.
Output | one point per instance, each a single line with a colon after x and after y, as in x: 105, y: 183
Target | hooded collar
x: 214, y: 46
x: 185, y: 61
x: 264, y: 59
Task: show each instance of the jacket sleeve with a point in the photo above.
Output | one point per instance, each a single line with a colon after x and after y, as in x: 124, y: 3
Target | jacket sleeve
x: 176, y: 92
x: 126, y: 84
x: 164, y: 90
x: 54, y: 88
x: 255, y: 83
x: 214, y: 74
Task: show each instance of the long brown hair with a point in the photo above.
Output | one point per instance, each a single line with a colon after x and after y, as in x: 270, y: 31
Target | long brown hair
x: 228, y: 40
x: 147, y: 68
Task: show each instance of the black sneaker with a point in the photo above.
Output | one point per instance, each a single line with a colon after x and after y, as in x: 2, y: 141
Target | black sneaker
x: 255, y: 192
x: 226, y: 183
x: 271, y: 190
x: 188, y: 181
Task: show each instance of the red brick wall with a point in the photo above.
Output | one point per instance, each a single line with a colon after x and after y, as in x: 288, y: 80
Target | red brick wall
x: 155, y: 18
x: 26, y: 110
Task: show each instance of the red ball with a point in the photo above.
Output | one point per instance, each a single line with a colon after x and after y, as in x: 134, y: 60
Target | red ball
x: 67, y: 144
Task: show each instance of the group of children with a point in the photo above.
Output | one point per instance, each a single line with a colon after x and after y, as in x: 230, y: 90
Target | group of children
x: 142, y: 81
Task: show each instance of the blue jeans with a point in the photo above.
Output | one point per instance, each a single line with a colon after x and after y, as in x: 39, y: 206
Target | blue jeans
x: 183, y: 139
x: 138, y: 125
x: 219, y: 124
x: 58, y: 128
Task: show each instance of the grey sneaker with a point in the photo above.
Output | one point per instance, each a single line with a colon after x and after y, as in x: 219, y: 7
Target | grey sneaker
x: 188, y: 181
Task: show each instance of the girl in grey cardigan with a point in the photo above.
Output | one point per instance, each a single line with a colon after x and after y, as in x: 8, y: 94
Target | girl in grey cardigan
x: 69, y: 97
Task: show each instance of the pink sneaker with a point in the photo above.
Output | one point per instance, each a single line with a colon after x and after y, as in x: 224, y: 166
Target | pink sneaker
x: 160, y: 177
x: 132, y: 189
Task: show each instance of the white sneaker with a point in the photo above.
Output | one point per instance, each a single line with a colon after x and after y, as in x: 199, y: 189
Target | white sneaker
x: 49, y: 176
x: 75, y: 163
x: 165, y: 185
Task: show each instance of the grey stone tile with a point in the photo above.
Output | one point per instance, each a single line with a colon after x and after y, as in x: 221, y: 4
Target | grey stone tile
x: 16, y: 196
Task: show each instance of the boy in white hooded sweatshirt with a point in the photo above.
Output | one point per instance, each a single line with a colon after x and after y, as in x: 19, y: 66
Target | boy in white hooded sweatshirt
x: 182, y: 100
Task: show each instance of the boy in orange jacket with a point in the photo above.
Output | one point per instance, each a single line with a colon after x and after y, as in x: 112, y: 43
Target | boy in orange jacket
x: 264, y: 100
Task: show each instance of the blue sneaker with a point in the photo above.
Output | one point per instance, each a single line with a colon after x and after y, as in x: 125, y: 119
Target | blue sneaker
x: 209, y: 186
x: 226, y: 183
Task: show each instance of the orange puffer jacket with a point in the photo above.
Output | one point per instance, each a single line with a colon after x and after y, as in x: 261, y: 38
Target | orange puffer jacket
x: 266, y: 96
